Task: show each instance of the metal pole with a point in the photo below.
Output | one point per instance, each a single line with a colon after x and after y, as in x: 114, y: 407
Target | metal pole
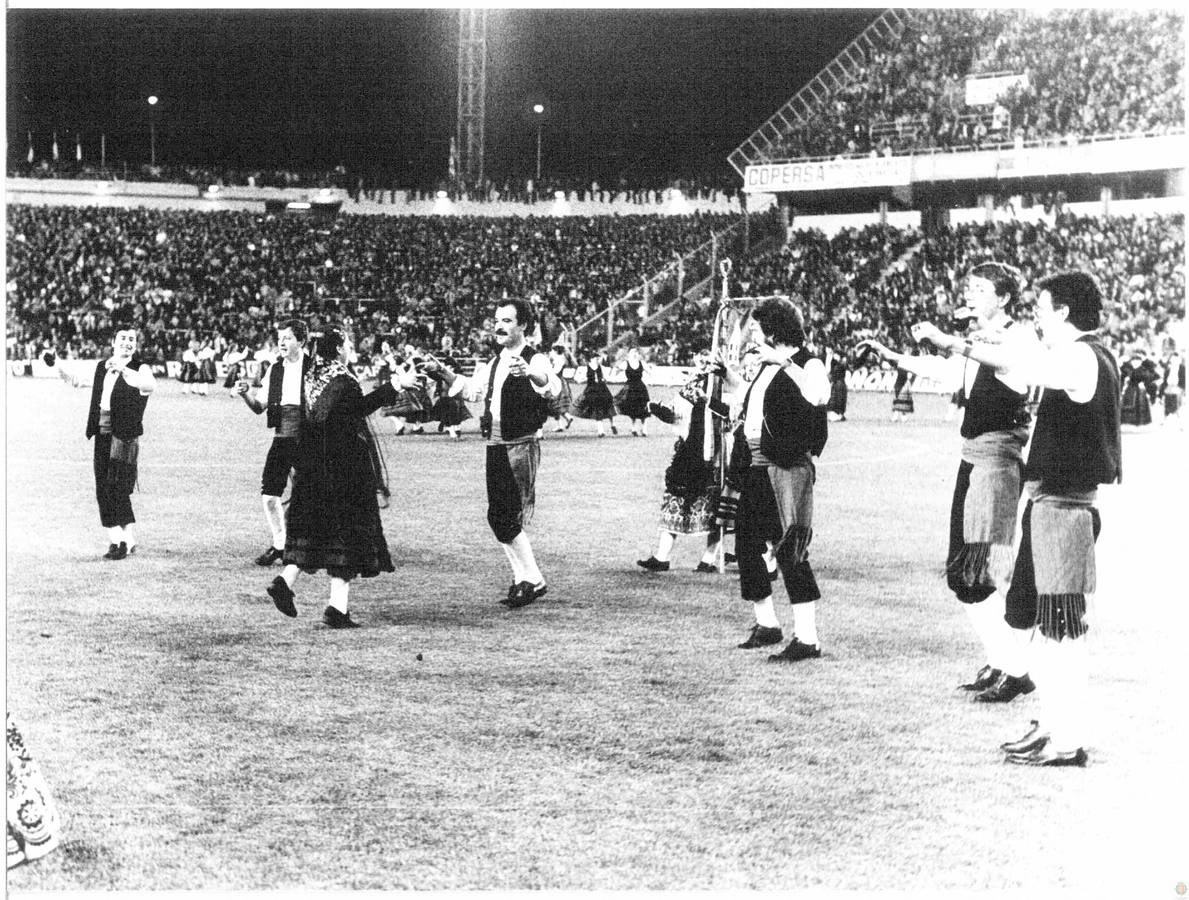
x: 152, y: 143
x: 610, y: 324
x: 538, y: 154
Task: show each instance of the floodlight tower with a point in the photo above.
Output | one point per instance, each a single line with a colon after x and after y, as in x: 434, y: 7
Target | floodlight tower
x: 472, y: 92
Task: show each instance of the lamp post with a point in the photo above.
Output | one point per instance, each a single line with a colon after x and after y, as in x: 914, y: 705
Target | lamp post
x: 152, y: 131
x: 538, y: 109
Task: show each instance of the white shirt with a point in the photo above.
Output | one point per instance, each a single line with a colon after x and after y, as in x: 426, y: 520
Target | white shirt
x: 960, y: 371
x: 753, y: 424
x: 290, y: 385
x: 474, y: 388
x: 109, y: 384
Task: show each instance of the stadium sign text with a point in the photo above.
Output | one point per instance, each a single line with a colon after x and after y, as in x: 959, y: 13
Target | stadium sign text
x: 828, y: 175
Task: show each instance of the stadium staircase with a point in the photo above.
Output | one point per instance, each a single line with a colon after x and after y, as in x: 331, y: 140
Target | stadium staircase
x: 765, y: 144
x: 688, y: 279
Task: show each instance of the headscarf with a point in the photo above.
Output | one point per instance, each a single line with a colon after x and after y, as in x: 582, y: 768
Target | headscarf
x: 320, y: 375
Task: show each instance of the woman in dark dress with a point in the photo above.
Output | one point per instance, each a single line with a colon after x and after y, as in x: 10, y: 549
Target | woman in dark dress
x: 633, y: 399
x: 596, y: 402
x: 334, y: 514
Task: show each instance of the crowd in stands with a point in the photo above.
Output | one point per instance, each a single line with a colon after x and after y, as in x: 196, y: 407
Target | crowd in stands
x: 1087, y: 72
x: 378, y: 186
x: 226, y: 278
x: 877, y: 281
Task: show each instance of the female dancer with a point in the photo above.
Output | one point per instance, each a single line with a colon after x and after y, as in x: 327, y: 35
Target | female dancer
x: 334, y: 516
x: 633, y: 399
x: 595, y: 402
x: 559, y: 406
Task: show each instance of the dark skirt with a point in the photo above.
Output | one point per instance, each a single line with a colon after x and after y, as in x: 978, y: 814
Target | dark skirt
x: 595, y: 402
x: 560, y: 405
x: 450, y: 411
x: 838, y: 395
x: 633, y: 400
x: 1137, y: 408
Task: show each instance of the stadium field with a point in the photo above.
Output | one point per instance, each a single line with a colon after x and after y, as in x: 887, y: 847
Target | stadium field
x: 609, y: 736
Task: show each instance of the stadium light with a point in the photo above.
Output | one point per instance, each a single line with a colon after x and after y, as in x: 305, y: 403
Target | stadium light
x: 152, y: 131
x: 538, y: 109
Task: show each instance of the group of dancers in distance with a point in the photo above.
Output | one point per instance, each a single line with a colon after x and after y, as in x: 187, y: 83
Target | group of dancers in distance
x: 1026, y: 595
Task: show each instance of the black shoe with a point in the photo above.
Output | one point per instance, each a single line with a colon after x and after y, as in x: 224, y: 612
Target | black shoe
x: 269, y: 556
x: 796, y: 651
x: 652, y: 564
x: 762, y: 636
x: 512, y: 589
x: 1045, y: 756
x: 985, y: 678
x: 112, y: 550
x: 1033, y: 740
x: 1006, y: 689
x: 614, y: 430
x: 729, y: 558
x: 332, y: 618
x: 526, y: 593
x: 705, y: 567
x: 282, y: 597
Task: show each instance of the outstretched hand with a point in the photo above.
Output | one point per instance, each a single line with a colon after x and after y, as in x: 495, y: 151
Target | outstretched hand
x: 870, y: 345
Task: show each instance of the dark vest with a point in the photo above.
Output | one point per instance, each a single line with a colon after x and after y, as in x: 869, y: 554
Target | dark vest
x: 992, y: 406
x: 276, y: 382
x: 792, y: 425
x: 1076, y: 446
x: 127, y: 404
x: 522, y: 410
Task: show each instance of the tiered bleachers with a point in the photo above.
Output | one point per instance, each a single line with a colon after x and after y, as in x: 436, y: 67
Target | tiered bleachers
x: 1088, y: 72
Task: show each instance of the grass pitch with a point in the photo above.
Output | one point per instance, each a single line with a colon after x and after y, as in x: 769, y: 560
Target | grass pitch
x: 609, y: 736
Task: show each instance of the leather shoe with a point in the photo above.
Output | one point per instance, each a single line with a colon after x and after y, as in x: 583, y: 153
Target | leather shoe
x: 796, y: 651
x: 729, y: 558
x: 282, y: 597
x: 526, y: 593
x: 269, y: 556
x: 652, y: 564
x: 116, y: 551
x: 1044, y: 755
x: 1033, y: 740
x: 706, y: 568
x: 1006, y: 689
x: 985, y: 678
x: 332, y: 618
x: 762, y: 636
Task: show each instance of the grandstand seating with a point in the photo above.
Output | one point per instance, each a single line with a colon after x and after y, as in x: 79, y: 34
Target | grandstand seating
x: 1085, y: 73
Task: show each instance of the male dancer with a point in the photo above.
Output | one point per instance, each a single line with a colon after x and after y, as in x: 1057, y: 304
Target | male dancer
x: 284, y: 396
x: 784, y: 424
x: 1076, y: 446
x: 987, y: 490
x: 514, y: 388
x: 120, y: 390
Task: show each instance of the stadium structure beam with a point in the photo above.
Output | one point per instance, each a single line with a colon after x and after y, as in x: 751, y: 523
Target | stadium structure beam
x: 472, y: 93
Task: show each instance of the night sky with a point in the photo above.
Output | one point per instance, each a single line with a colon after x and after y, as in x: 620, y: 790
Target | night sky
x: 643, y: 91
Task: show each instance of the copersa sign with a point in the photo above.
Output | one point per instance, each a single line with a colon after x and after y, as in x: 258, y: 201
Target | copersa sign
x: 829, y: 174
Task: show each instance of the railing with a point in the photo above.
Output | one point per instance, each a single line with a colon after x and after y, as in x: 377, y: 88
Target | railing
x: 670, y: 285
x: 767, y: 139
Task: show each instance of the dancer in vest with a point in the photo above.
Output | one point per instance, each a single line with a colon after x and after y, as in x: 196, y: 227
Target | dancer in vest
x: 1076, y: 447
x: 334, y: 515
x: 596, y: 401
x: 633, y: 399
x: 784, y: 425
x: 987, y: 489
x: 514, y: 388
x: 692, y: 487
x: 205, y: 360
x: 285, y: 403
x: 120, y: 388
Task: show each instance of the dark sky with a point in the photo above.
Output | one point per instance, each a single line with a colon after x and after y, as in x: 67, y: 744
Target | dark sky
x: 638, y: 90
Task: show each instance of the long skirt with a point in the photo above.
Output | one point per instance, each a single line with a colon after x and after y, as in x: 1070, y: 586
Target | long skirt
x: 1136, y: 408
x: 595, y: 402
x: 633, y: 400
